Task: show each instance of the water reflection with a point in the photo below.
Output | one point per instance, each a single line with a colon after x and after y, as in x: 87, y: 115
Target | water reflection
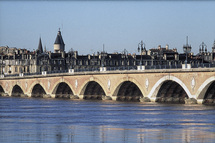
x: 38, y: 120
x: 76, y: 134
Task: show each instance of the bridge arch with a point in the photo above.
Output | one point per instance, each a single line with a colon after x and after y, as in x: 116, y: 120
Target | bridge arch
x: 128, y: 90
x: 33, y: 85
x: 16, y: 91
x: 164, y: 80
x: 171, y: 92
x: 62, y: 90
x: 38, y: 91
x: 93, y: 89
x: 207, y: 89
x: 1, y: 90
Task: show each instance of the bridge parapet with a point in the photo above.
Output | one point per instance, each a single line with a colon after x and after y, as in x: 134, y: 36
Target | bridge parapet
x: 212, y: 69
x: 162, y: 68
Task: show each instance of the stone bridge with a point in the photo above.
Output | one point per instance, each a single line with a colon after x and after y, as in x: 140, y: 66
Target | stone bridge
x: 169, y: 85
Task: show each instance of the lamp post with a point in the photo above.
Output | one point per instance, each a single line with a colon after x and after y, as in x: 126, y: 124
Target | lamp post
x: 186, y: 49
x: 1, y: 67
x: 102, y: 56
x: 140, y: 49
x: 202, y: 46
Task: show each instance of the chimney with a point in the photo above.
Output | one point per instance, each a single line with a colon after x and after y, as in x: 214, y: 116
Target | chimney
x: 167, y: 47
x: 63, y: 54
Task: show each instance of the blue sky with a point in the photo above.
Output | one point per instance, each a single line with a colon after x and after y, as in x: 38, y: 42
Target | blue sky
x: 87, y: 25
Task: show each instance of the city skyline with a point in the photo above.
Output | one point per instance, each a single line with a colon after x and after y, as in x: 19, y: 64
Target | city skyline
x: 87, y: 25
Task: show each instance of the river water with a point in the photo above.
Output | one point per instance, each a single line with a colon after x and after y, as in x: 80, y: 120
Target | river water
x: 80, y: 121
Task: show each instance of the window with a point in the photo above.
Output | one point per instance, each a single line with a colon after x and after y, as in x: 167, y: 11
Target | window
x: 122, y: 63
x: 20, y: 69
x: 116, y: 63
x: 15, y: 69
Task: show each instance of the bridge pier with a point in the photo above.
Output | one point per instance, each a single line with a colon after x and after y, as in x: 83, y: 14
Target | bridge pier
x: 24, y: 95
x: 114, y: 98
x: 200, y: 101
x: 81, y: 96
x: 66, y: 96
x: 52, y: 95
x: 27, y: 95
x: 153, y: 99
x: 74, y: 97
x: 5, y: 94
x: 106, y: 98
x: 145, y: 99
x: 190, y: 101
x: 47, y: 96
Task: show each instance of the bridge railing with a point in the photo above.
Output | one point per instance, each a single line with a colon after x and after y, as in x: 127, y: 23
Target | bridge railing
x: 87, y: 70
x: 122, y: 68
x: 59, y: 71
x: 29, y: 74
x: 148, y: 67
x: 163, y: 67
x: 203, y: 65
x: 11, y: 75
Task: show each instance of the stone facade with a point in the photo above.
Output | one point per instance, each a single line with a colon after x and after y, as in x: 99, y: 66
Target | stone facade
x: 16, y: 61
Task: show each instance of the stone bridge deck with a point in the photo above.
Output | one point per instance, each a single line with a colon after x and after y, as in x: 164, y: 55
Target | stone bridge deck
x: 160, y: 85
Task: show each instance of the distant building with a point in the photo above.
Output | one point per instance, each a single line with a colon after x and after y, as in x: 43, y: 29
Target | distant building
x: 164, y: 56
x: 16, y: 61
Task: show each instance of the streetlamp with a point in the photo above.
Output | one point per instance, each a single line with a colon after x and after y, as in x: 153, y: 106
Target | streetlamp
x: 187, y: 49
x: 202, y: 46
x: 140, y: 49
x: 1, y: 67
x: 102, y: 56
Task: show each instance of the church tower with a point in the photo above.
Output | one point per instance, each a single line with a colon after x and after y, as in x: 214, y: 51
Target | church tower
x: 40, y: 47
x: 59, y: 45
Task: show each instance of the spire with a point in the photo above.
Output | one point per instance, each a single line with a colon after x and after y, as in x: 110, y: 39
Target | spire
x: 59, y: 45
x: 214, y: 44
x: 40, y: 47
x: 45, y: 49
x: 59, y: 39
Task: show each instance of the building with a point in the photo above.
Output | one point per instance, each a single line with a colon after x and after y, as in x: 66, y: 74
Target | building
x: 18, y: 61
x: 164, y: 56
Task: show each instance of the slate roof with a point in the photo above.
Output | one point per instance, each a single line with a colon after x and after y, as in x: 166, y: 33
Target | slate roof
x: 59, y: 39
x: 164, y: 50
x: 144, y: 57
x: 56, y: 56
